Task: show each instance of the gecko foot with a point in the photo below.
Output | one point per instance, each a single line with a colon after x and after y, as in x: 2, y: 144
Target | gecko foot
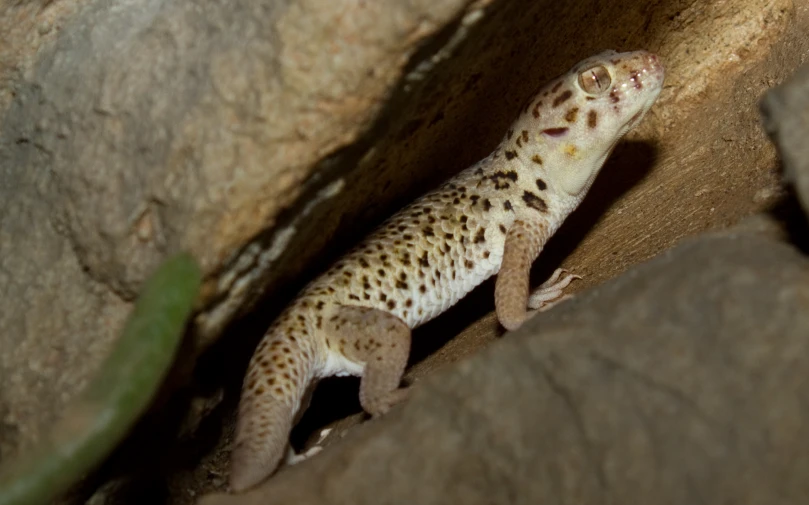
x: 294, y: 459
x: 551, y: 291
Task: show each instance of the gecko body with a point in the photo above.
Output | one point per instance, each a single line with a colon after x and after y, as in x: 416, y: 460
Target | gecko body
x: 492, y: 218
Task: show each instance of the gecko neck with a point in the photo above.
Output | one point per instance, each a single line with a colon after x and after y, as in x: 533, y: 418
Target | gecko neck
x: 536, y: 178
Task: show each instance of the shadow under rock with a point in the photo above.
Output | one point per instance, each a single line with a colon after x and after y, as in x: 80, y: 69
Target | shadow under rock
x: 788, y: 211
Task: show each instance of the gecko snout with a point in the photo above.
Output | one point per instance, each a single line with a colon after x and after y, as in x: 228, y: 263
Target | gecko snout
x: 653, y: 67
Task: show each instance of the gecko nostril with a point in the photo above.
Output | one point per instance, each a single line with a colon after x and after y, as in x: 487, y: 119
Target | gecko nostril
x: 654, y: 62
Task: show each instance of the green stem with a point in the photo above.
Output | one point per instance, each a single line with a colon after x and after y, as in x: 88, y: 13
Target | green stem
x: 103, y: 414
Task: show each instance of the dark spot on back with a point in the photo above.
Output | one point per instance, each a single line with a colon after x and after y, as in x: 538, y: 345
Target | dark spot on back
x: 534, y: 201
x: 501, y: 179
x: 507, y: 205
x: 541, y: 185
x: 510, y: 155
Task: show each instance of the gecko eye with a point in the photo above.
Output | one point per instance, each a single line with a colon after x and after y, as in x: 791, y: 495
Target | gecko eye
x: 595, y: 80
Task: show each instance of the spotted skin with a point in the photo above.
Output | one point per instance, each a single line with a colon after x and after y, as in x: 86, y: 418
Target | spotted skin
x: 492, y: 218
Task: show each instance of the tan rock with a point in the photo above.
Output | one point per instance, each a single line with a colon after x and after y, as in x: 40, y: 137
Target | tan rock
x: 680, y: 382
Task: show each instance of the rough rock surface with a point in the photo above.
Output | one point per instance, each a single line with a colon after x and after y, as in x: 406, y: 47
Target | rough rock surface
x: 785, y: 111
x: 151, y: 127
x: 681, y: 382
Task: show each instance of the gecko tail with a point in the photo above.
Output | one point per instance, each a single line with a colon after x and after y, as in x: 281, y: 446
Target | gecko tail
x: 258, y: 451
x: 277, y: 379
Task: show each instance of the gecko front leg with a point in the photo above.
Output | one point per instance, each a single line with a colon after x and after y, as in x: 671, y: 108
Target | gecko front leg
x: 524, y: 242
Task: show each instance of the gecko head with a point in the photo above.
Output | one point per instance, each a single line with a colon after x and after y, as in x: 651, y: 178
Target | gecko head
x: 578, y: 118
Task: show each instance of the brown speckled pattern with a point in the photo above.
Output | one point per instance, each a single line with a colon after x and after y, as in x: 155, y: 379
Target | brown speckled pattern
x: 355, y: 319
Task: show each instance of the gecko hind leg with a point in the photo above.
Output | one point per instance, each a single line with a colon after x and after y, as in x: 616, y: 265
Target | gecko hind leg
x: 381, y: 342
x: 292, y: 457
x: 551, y: 292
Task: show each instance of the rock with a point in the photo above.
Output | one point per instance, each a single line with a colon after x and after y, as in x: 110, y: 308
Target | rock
x: 682, y: 381
x: 785, y: 113
x: 151, y: 127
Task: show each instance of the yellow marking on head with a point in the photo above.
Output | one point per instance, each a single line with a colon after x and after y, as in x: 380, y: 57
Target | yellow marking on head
x: 571, y: 151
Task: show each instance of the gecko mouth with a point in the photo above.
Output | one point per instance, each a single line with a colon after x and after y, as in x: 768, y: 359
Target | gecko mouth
x: 634, y: 119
